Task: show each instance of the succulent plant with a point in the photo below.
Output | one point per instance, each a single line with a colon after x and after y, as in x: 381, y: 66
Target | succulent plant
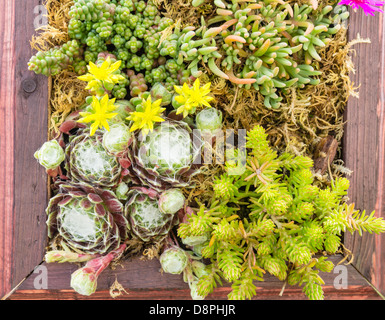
x: 50, y: 156
x: 173, y: 260
x: 159, y: 91
x: 130, y: 30
x: 118, y: 139
x: 84, y: 280
x: 67, y: 255
x: 137, y: 83
x: 209, y: 121
x: 87, y: 218
x: 88, y: 161
x: 272, y: 218
x: 261, y: 44
x: 165, y: 157
x: 51, y: 62
x: 123, y: 108
x: 147, y: 222
x: 171, y: 201
x: 193, y: 241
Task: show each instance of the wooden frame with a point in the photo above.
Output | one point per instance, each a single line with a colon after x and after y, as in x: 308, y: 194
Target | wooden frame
x: 23, y: 123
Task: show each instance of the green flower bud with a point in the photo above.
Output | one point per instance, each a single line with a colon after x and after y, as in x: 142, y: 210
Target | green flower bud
x: 199, y: 268
x: 159, y: 91
x: 195, y: 240
x: 174, y: 260
x: 121, y: 191
x: 50, y: 155
x: 209, y: 119
x: 171, y: 201
x: 84, y: 281
x: 117, y: 139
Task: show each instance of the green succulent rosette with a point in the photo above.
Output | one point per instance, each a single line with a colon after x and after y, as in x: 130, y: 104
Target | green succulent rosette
x: 86, y: 218
x: 147, y: 222
x: 87, y: 160
x: 165, y: 158
x: 50, y: 155
x: 174, y: 260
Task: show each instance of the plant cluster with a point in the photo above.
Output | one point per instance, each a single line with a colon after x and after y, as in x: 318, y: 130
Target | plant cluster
x: 117, y: 169
x: 271, y: 217
x: 119, y: 164
x: 267, y: 45
x: 131, y: 30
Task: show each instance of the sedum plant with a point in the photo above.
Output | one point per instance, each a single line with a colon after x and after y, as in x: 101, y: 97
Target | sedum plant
x: 272, y: 217
x: 267, y: 45
x: 130, y: 30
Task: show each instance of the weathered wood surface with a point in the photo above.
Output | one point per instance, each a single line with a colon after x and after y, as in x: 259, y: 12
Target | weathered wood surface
x: 23, y: 123
x: 364, y: 142
x: 143, y: 281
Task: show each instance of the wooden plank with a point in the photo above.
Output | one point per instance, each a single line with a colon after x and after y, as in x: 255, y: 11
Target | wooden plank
x: 25, y: 101
x: 364, y: 142
x: 7, y: 100
x: 143, y: 280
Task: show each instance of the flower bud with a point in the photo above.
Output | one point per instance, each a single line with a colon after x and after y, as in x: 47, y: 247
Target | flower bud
x: 158, y: 91
x: 117, y: 139
x: 173, y: 260
x: 209, y: 120
x: 171, y: 201
x: 84, y: 281
x: 50, y: 155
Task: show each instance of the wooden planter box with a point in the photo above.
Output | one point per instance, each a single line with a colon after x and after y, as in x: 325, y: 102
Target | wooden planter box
x: 23, y: 184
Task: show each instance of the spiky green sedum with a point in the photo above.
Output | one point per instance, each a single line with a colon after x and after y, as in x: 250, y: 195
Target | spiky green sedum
x: 273, y: 218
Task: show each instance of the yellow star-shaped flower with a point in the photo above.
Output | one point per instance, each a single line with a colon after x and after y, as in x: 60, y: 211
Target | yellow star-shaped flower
x: 99, y: 114
x: 149, y: 113
x: 100, y: 76
x: 191, y: 98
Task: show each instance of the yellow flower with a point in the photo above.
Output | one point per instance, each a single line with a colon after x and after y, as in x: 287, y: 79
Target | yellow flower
x: 191, y: 98
x: 99, y: 114
x: 149, y: 112
x: 103, y: 75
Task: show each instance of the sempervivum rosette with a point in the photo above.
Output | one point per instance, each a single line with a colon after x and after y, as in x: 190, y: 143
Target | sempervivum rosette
x: 165, y: 157
x: 87, y: 218
x: 146, y: 219
x: 87, y: 160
